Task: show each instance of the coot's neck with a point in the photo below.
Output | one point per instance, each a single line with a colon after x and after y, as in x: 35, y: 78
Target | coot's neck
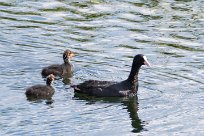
x: 48, y: 82
x: 133, y: 77
x: 67, y: 61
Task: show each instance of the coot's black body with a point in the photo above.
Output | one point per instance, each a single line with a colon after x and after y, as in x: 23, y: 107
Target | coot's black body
x: 114, y: 89
x: 65, y: 69
x: 41, y: 91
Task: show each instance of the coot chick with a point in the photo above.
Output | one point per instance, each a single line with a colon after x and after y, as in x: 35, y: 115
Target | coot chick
x: 41, y: 91
x: 65, y: 69
x: 128, y: 87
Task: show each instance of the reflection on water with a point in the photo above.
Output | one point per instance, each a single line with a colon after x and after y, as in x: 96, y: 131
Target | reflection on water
x: 105, y: 35
x: 132, y: 108
x: 48, y: 101
x: 130, y: 104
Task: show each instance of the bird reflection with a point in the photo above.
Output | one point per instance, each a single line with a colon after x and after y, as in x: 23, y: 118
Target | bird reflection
x: 132, y: 108
x: 66, y: 81
x: 48, y: 101
x: 130, y: 103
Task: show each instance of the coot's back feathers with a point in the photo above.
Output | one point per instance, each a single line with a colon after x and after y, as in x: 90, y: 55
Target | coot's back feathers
x: 91, y: 86
x: 53, y: 69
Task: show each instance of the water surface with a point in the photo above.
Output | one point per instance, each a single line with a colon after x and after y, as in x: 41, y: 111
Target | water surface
x: 105, y: 36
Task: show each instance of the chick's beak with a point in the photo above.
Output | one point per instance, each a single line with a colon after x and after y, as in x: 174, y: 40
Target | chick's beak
x: 72, y: 54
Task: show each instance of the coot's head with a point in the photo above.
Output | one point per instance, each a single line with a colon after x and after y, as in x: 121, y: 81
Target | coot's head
x: 67, y: 55
x: 141, y: 60
x: 50, y: 79
x: 138, y: 61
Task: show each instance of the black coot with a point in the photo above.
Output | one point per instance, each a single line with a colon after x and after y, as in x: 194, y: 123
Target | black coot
x: 114, y: 89
x: 41, y: 91
x: 60, y: 69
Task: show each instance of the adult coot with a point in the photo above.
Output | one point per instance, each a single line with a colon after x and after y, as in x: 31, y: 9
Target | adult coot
x: 64, y: 69
x: 41, y: 91
x: 114, y: 89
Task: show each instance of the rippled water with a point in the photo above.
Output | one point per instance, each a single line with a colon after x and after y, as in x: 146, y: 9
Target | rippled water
x: 105, y: 35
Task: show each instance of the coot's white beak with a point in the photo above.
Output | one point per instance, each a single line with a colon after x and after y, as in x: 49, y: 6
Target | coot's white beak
x: 146, y: 62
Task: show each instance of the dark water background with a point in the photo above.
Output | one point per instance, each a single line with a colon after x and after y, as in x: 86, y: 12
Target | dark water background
x: 105, y: 35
